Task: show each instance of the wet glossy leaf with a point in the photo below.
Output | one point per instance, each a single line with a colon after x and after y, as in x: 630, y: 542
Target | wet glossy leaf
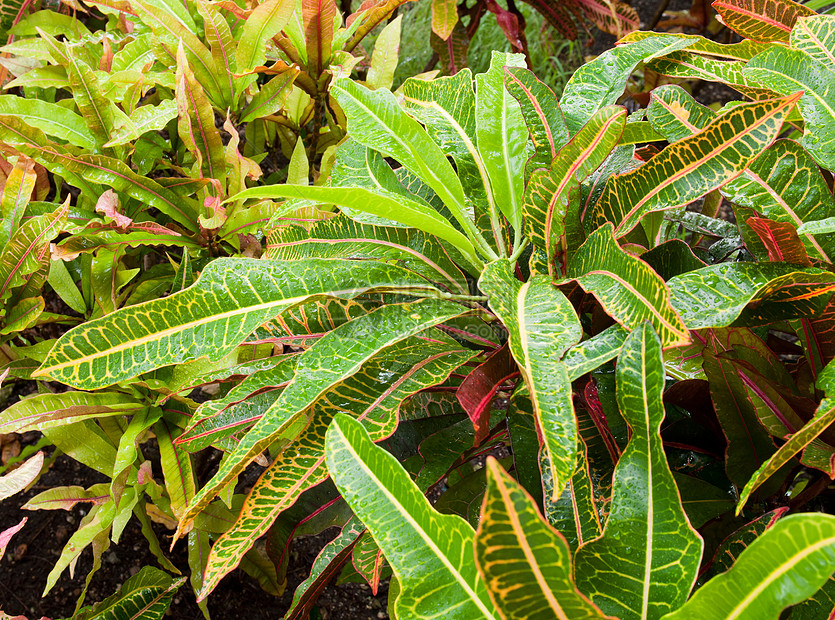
x: 590, y: 354
x: 549, y: 192
x: 231, y: 298
x: 525, y: 563
x: 783, y: 566
x: 761, y: 20
x: 301, y: 465
x: 52, y: 119
x: 815, y: 35
x: 430, y: 553
x: 145, y: 595
x: 824, y: 416
x: 325, y: 364
x: 675, y: 114
x: 502, y: 136
x: 647, y: 559
x: 629, y: 290
x: 694, y: 166
x: 542, y: 325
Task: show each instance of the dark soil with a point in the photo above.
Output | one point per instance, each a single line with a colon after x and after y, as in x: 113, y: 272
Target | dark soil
x: 35, y: 549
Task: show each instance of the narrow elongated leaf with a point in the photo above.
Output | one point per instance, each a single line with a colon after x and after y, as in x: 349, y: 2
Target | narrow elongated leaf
x: 824, y: 416
x: 47, y: 410
x: 222, y: 44
x: 317, y: 18
x: 502, y: 136
x: 52, y: 119
x: 768, y: 186
x: 727, y: 288
x: 542, y: 114
x: 28, y: 249
x: 325, y: 364
x: 378, y: 122
x: 761, y: 20
x: 430, y: 553
x: 647, y: 559
x: 542, y: 325
x: 230, y: 299
x: 271, y: 97
x: 478, y: 390
x: 548, y: 193
x: 16, y: 192
x: 790, y: 71
x: 328, y: 563
x: 783, y: 566
x: 370, y: 14
x: 177, y: 468
x: 416, y: 363
x: 341, y: 237
x: 6, y: 535
x: 97, y: 110
x: 602, y: 81
x: 383, y: 203
x: 117, y: 175
x: 525, y: 563
x: 143, y: 119
x: 590, y: 354
x: 196, y: 124
x: 263, y: 23
x: 170, y: 32
x: 628, y: 288
x: 694, y: 166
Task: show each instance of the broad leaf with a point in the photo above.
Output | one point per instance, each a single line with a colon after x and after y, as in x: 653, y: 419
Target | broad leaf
x: 647, y: 559
x: 542, y: 325
x: 52, y: 119
x: 525, y: 563
x: 325, y: 364
x: 430, y: 553
x: 694, y: 166
x: 783, y: 566
x: 18, y: 479
x: 146, y: 595
x: 230, y: 299
x: 628, y: 288
x: 761, y: 20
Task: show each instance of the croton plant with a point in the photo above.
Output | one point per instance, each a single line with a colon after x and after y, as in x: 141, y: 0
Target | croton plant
x: 534, y: 357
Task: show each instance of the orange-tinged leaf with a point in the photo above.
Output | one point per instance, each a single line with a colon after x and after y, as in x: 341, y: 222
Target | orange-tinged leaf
x: 694, y: 166
x: 525, y: 563
x: 318, y: 20
x: 16, y: 193
x: 370, y: 13
x: 761, y: 20
x: 444, y: 17
x: 781, y: 241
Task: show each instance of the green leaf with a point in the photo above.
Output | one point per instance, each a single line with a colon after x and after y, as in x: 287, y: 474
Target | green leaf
x: 444, y: 17
x: 219, y: 36
x: 783, y: 566
x: 824, y: 416
x: 602, y: 81
x: 28, y: 249
x: 770, y: 187
x: 380, y: 202
x: 694, y: 166
x: 378, y: 122
x: 17, y: 191
x: 774, y: 291
x: 144, y: 118
x: 52, y: 119
x: 647, y: 559
x: 525, y: 564
x: 430, y: 553
x: 416, y: 364
x: 590, y: 354
x: 549, y: 192
x: 97, y: 110
x: 629, y: 290
x: 342, y: 237
x: 675, y: 114
x: 542, y: 325
x: 48, y: 410
x: 230, y: 299
x: 325, y: 364
x: 263, y: 23
x: 787, y: 71
x: 502, y: 136
x: 146, y: 595
x: 815, y: 36
x: 542, y: 114
x: 196, y: 124
x: 385, y: 56
x: 271, y: 97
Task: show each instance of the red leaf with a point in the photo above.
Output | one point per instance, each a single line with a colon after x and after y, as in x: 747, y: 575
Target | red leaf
x: 508, y: 22
x: 781, y: 241
x: 479, y: 389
